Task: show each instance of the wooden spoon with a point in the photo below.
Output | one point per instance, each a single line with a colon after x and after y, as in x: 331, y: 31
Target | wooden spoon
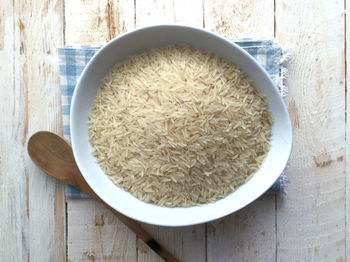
x: 54, y: 155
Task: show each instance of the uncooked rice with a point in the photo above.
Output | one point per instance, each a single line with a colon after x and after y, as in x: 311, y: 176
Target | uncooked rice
x: 177, y: 126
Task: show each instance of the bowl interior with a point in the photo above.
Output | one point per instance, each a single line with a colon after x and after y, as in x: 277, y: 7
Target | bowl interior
x: 124, y: 202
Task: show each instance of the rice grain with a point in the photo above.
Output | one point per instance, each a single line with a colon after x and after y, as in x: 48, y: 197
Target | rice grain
x: 177, y: 126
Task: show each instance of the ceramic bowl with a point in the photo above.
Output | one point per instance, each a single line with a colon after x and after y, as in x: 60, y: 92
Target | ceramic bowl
x: 130, y: 43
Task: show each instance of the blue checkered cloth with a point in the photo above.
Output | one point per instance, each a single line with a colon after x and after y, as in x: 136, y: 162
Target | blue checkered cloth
x: 72, y: 61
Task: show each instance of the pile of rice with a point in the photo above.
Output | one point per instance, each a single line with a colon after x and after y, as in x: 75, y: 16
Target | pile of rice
x: 177, y: 126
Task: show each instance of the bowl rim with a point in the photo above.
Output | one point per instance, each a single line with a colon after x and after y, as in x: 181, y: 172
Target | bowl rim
x: 98, y: 190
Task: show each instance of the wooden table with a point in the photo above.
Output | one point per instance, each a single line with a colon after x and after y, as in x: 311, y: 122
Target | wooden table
x: 37, y: 222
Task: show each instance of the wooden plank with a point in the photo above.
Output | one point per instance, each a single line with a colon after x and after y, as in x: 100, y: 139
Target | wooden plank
x: 150, y: 12
x: 250, y: 234
x: 33, y: 225
x: 347, y: 145
x: 311, y: 219
x: 95, y: 234
x: 247, y: 235
x: 186, y: 243
x: 240, y: 19
x: 38, y: 75
x: 95, y: 22
x: 14, y: 222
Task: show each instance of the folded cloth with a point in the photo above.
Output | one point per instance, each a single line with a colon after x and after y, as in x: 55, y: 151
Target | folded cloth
x: 72, y: 61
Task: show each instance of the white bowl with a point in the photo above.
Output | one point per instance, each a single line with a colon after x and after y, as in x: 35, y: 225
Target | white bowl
x: 154, y: 36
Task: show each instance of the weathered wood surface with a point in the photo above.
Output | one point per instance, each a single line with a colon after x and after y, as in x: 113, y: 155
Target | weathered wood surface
x: 347, y: 131
x: 94, y: 22
x: 311, y: 219
x: 94, y: 233
x: 32, y: 220
x: 309, y: 224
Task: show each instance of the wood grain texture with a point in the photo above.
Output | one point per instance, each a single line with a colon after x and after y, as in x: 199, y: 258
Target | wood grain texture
x: 33, y: 224
x: 95, y: 234
x: 347, y: 145
x: 311, y: 219
x: 185, y: 243
x: 94, y: 22
x: 150, y: 12
x: 13, y: 199
x: 250, y: 234
x: 240, y: 19
x: 4, y: 15
x: 247, y: 235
